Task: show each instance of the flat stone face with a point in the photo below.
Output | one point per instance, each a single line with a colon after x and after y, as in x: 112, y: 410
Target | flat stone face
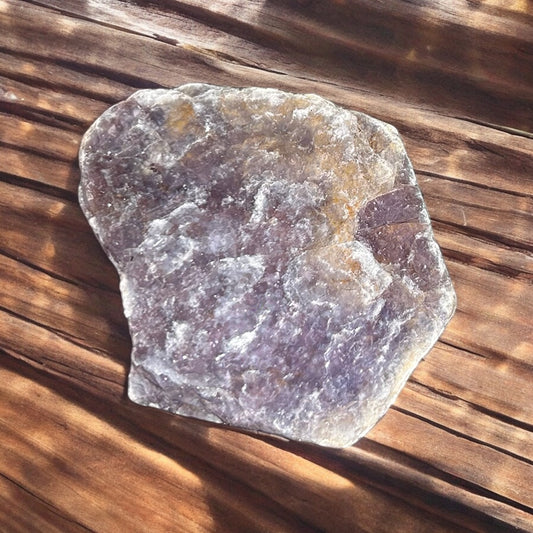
x: 277, y: 264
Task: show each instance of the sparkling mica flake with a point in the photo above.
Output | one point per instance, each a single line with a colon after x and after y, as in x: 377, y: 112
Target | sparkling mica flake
x: 277, y: 264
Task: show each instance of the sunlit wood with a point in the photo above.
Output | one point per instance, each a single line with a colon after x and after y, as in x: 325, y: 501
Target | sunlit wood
x: 455, y: 451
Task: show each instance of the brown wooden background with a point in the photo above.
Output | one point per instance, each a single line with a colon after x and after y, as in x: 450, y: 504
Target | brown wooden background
x: 455, y: 453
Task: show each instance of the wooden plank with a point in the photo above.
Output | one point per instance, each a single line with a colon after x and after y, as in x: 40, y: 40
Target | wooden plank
x: 327, y: 31
x: 404, y: 475
x: 32, y: 169
x: 40, y: 138
x: 66, y: 439
x: 71, y: 361
x: 455, y: 452
x: 479, y: 252
x: 407, y: 434
x: 58, y: 228
x: 45, y: 74
x: 22, y: 512
x: 493, y: 315
x: 82, y: 314
x: 442, y: 135
x: 83, y: 474
x: 468, y: 420
x: 509, y: 221
x: 492, y: 386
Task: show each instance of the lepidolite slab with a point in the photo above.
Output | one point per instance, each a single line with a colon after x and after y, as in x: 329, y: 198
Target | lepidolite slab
x: 277, y: 264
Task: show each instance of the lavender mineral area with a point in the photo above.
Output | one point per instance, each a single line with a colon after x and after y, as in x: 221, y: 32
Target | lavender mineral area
x: 277, y: 265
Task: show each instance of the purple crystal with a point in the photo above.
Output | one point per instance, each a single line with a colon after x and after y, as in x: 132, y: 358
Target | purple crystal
x: 277, y: 264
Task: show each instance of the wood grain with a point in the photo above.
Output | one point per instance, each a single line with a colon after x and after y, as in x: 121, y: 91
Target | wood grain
x: 454, y: 453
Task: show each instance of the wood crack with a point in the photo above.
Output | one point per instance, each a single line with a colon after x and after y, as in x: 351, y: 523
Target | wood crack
x: 488, y: 236
x: 72, y: 281
x: 54, y: 509
x: 455, y: 480
x: 49, y: 190
x: 478, y: 185
x: 498, y: 127
x: 463, y: 484
x: 460, y: 434
x: 48, y: 118
x: 484, y: 410
x: 474, y: 261
x: 66, y: 336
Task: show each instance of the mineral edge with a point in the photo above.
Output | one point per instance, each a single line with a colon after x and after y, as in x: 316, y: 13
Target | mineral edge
x: 277, y: 265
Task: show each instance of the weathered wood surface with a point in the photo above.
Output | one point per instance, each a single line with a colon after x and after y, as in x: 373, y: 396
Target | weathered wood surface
x: 455, y: 452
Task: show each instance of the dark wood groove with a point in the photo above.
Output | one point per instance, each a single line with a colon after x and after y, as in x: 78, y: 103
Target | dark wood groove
x: 473, y: 261
x: 496, y: 524
x: 488, y: 236
x: 477, y: 489
x: 50, y: 506
x: 511, y: 421
x: 37, y: 186
x: 484, y: 186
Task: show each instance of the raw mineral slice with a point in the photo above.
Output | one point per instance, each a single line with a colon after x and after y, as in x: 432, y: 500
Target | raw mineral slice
x: 277, y: 264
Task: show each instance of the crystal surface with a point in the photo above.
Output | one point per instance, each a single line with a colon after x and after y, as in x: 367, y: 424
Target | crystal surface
x: 277, y: 265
